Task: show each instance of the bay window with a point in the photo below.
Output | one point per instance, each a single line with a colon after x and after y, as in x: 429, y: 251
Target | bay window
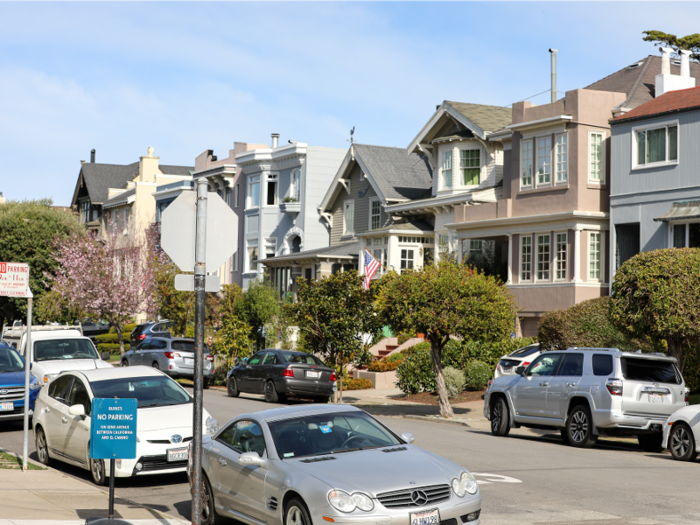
x: 470, y: 165
x: 594, y: 256
x: 272, y: 189
x: 544, y: 160
x: 295, y: 186
x: 562, y: 158
x: 252, y: 248
x: 543, y: 251
x: 254, y: 192
x: 596, y: 156
x: 526, y: 163
x: 447, y: 169
x: 561, y: 256
x: 526, y: 258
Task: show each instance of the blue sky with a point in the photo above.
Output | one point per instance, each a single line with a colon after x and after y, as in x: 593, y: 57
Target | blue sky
x: 186, y: 77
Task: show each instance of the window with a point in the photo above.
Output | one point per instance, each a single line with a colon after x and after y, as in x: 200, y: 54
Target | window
x: 236, y: 194
x: 526, y: 163
x: 596, y: 161
x: 447, y: 169
x: 349, y: 218
x: 252, y: 255
x: 244, y: 436
x: 270, y: 247
x: 272, y: 189
x: 85, y: 211
x: 378, y: 241
x: 375, y: 214
x: 562, y: 158
x: 571, y: 366
x: 254, y: 192
x: 686, y: 235
x: 544, y: 365
x: 406, y: 259
x: 657, y: 145
x: 470, y: 164
x: 544, y: 160
x: 525, y: 258
x: 443, y: 244
x: 594, y: 256
x: 543, y: 242
x: 561, y: 239
x: 295, y: 186
x: 627, y: 242
x: 380, y: 256
x: 235, y: 261
x: 475, y: 245
x: 602, y: 365
x: 228, y: 197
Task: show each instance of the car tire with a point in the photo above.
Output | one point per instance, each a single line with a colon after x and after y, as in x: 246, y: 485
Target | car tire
x: 155, y: 365
x: 651, y: 442
x: 232, y: 387
x: 681, y: 443
x: 205, y: 383
x: 271, y: 392
x: 124, y: 363
x: 295, y: 513
x: 97, y: 471
x: 209, y: 515
x: 42, y: 447
x: 500, y: 424
x: 579, y: 427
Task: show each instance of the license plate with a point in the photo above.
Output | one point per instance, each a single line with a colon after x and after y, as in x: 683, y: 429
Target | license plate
x: 189, y: 360
x: 507, y: 369
x: 312, y: 374
x: 427, y: 517
x: 178, y: 454
x: 656, y: 398
x: 7, y: 407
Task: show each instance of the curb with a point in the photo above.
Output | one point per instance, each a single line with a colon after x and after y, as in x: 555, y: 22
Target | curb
x: 29, y: 460
x: 436, y: 419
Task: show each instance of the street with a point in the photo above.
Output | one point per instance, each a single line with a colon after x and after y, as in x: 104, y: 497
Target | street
x: 523, y: 478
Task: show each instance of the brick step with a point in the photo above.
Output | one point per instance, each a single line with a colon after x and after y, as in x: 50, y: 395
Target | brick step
x: 391, y: 348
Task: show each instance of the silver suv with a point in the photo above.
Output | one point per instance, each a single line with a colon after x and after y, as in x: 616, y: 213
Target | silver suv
x: 589, y: 392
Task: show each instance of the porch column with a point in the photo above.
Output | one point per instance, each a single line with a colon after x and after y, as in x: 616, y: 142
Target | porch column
x: 510, y: 259
x: 577, y: 254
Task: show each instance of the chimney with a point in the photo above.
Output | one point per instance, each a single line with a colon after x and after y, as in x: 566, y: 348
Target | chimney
x: 665, y: 60
x: 685, y: 63
x: 82, y: 162
x: 554, y: 74
x: 92, y: 156
x: 275, y: 140
x: 666, y: 82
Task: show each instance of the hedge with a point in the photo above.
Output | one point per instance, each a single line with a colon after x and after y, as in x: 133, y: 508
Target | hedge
x: 350, y: 383
x: 386, y: 364
x: 112, y: 348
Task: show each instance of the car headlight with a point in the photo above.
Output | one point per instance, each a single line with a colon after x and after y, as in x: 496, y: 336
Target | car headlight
x: 49, y: 377
x: 211, y: 425
x: 465, y: 483
x: 341, y: 500
x: 34, y: 385
x: 362, y: 501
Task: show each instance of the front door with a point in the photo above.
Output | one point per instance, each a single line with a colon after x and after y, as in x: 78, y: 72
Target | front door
x: 247, y: 376
x: 76, y: 429
x: 562, y: 384
x: 137, y: 357
x: 530, y: 392
x: 59, y: 391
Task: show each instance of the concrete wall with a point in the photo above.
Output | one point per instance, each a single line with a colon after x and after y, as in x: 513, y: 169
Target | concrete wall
x: 322, y: 164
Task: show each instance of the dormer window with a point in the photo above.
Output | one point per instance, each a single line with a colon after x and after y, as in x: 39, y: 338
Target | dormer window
x: 447, y: 169
x: 470, y: 165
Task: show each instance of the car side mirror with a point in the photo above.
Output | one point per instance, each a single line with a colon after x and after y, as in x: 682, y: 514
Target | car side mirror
x: 520, y: 370
x: 408, y: 437
x: 77, y: 410
x: 252, y: 459
x: 106, y: 355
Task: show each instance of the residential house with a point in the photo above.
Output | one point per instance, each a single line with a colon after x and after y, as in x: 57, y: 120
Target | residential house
x: 284, y: 186
x: 655, y: 190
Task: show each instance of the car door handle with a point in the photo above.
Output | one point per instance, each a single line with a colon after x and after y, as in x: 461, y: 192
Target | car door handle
x: 64, y: 420
x: 47, y: 409
x: 543, y: 383
x: 571, y: 384
x: 222, y: 462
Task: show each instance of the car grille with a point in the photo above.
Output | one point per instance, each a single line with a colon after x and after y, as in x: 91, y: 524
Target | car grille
x: 151, y: 463
x: 405, y: 498
x: 13, y: 392
x: 167, y: 441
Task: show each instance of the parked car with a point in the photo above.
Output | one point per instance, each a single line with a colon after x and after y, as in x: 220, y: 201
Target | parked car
x: 279, y: 373
x: 681, y: 433
x: 589, y: 392
x: 175, y: 357
x: 163, y: 422
x: 92, y: 329
x: 521, y: 357
x: 302, y: 465
x: 12, y: 386
x: 150, y: 329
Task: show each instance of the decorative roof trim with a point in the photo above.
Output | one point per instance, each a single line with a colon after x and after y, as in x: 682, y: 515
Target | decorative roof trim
x: 532, y: 124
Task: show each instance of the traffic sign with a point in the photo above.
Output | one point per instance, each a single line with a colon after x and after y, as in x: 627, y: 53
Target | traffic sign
x: 185, y: 283
x: 113, y: 428
x: 178, y: 230
x: 14, y: 279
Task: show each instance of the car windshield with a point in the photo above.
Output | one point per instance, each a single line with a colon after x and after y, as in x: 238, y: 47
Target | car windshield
x: 64, y: 349
x: 334, y: 433
x: 526, y: 351
x: 10, y: 361
x: 149, y: 391
x: 304, y: 359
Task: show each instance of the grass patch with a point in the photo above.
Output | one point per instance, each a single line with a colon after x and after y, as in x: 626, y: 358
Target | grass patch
x: 10, y: 461
x: 695, y: 399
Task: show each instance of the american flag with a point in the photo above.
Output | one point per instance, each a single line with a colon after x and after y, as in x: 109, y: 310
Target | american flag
x: 371, y: 267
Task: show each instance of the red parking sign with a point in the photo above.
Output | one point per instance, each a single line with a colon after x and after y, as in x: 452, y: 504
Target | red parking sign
x: 14, y: 279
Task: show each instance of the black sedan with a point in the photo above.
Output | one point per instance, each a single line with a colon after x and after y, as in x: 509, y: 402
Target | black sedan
x: 281, y: 373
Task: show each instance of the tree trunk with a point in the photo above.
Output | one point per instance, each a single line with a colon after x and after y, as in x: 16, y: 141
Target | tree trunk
x: 675, y: 349
x: 445, y: 407
x: 120, y: 335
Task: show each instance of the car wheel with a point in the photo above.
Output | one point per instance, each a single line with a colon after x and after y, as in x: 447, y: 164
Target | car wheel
x: 42, y: 448
x: 682, y: 443
x: 500, y: 426
x: 205, y: 383
x: 579, y: 427
x: 271, y: 392
x: 209, y: 515
x: 651, y: 442
x: 124, y: 363
x: 232, y: 387
x: 97, y: 470
x: 295, y: 513
x: 155, y: 365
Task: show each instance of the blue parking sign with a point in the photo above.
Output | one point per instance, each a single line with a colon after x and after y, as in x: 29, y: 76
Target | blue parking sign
x: 113, y: 428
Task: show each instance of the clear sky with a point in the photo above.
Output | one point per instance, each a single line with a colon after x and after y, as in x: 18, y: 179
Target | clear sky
x: 186, y: 77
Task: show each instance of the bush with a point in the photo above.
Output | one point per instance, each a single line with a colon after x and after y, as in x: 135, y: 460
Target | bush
x: 454, y: 381
x: 112, y: 348
x: 387, y: 363
x: 478, y: 374
x: 110, y: 337
x: 128, y: 328
x: 351, y: 383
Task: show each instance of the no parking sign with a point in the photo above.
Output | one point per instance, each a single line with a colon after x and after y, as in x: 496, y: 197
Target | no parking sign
x: 113, y: 428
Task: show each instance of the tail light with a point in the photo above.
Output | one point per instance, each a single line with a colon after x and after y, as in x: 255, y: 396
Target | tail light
x: 169, y: 355
x: 142, y: 337
x: 288, y: 372
x: 525, y: 363
x: 210, y: 358
x: 333, y: 377
x: 687, y: 396
x: 614, y: 386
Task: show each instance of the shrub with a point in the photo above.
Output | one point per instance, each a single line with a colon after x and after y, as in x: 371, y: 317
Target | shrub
x: 398, y: 356
x: 128, y: 328
x: 477, y: 374
x: 386, y: 364
x: 111, y: 347
x: 454, y: 380
x: 111, y: 337
x: 405, y: 336
x: 356, y: 384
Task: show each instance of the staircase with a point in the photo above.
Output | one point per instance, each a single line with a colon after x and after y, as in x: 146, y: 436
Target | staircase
x: 387, y: 350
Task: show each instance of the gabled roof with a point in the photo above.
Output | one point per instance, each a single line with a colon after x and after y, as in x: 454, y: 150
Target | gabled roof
x: 122, y: 198
x: 98, y: 178
x: 346, y: 250
x: 488, y: 118
x: 638, y: 80
x: 671, y: 102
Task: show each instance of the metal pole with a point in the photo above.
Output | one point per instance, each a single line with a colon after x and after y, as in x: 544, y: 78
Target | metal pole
x: 554, y: 74
x: 112, y: 468
x: 27, y: 365
x: 200, y: 268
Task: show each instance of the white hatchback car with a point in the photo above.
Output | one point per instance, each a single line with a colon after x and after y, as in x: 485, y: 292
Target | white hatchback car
x: 163, y: 429
x: 520, y: 357
x: 681, y: 433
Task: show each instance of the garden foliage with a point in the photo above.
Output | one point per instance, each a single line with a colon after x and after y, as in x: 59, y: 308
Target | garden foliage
x: 454, y: 381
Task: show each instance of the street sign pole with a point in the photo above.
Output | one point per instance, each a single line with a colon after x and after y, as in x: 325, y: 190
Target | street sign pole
x: 27, y: 365
x: 200, y: 272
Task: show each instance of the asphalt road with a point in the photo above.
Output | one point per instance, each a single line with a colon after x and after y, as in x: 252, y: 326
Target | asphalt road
x: 524, y: 479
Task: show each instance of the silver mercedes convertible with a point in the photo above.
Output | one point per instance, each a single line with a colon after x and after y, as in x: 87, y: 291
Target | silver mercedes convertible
x: 310, y: 464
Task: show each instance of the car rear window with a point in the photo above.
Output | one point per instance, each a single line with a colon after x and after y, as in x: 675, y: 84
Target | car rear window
x: 649, y: 370
x: 602, y: 365
x: 185, y: 346
x: 526, y: 351
x: 138, y: 329
x: 304, y: 359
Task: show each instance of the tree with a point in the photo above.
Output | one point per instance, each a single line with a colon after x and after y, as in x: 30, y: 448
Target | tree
x: 233, y: 340
x: 257, y: 307
x: 657, y: 294
x: 55, y: 308
x: 173, y: 305
x: 332, y: 314
x: 445, y: 300
x: 108, y: 277
x: 688, y: 43
x: 27, y: 232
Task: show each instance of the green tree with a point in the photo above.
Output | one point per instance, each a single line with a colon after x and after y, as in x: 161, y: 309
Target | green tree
x: 656, y: 294
x: 445, y: 300
x: 53, y: 307
x: 332, y: 314
x: 173, y: 305
x: 258, y: 306
x: 27, y: 232
x: 688, y: 43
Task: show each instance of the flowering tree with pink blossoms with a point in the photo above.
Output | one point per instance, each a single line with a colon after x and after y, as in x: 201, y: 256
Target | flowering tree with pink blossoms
x: 109, y: 277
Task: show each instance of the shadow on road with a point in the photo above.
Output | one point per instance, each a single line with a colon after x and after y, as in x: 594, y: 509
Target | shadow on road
x: 404, y: 410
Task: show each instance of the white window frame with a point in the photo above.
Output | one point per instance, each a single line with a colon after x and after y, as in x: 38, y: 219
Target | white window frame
x: 295, y: 186
x: 447, y: 155
x: 601, y: 255
x: 561, y: 158
x: 531, y: 142
x: 412, y: 258
x: 544, y: 161
x: 274, y: 176
x: 371, y: 214
x: 270, y: 241
x: 462, y: 168
x: 250, y: 243
x: 603, y: 136
x: 544, y: 267
x: 346, y: 205
x: 647, y: 127
x: 557, y: 259
x: 522, y: 264
x: 252, y: 181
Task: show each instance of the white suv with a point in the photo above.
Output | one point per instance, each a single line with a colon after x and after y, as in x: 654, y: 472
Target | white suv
x: 589, y: 392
